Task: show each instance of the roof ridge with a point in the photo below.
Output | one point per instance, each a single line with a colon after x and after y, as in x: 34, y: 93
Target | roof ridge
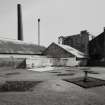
x: 10, y: 47
x: 19, y: 42
x: 72, y: 50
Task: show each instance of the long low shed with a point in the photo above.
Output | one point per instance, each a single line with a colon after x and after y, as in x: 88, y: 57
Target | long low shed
x: 14, y: 53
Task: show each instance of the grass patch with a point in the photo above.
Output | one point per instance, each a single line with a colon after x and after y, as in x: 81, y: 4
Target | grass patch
x: 91, y: 82
x: 16, y: 86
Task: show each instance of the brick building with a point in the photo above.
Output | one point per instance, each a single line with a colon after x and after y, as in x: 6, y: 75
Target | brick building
x: 78, y: 41
x: 97, y: 50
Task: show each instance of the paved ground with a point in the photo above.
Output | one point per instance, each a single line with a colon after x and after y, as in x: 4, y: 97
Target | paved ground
x: 53, y: 90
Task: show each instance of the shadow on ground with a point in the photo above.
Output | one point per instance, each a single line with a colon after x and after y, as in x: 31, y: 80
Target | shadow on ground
x: 16, y: 86
x: 91, y: 82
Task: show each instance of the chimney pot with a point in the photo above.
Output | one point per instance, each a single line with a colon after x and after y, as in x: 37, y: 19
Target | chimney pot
x: 60, y: 40
x: 84, y: 32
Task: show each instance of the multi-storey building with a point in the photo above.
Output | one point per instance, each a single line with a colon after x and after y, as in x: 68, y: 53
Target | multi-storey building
x: 78, y: 41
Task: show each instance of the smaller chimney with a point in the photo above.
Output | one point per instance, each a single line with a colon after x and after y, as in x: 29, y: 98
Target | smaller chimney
x: 38, y: 31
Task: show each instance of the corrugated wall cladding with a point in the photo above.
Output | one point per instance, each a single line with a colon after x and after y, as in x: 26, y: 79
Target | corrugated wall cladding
x: 19, y: 47
x: 13, y: 62
x: 16, y: 60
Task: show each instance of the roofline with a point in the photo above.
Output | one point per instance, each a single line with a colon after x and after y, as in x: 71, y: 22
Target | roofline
x: 20, y: 42
x: 21, y: 53
x: 75, y: 34
x: 96, y: 37
x: 65, y: 50
x: 62, y: 49
x: 47, y: 48
x: 58, y: 46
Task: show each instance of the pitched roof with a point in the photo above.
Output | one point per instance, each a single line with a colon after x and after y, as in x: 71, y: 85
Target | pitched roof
x: 72, y: 50
x: 99, y: 37
x: 19, y: 47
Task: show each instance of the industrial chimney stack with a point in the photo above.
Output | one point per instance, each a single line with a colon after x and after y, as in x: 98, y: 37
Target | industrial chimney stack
x: 20, y: 25
x: 38, y: 31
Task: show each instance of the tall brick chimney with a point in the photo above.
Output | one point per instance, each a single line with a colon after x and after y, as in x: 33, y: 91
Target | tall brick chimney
x: 20, y: 25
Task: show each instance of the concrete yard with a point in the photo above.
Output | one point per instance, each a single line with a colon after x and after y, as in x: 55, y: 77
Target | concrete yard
x: 53, y: 90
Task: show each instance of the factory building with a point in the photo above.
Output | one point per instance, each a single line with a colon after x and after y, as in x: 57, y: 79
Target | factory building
x: 78, y: 41
x: 92, y: 47
x: 97, y: 50
x: 73, y: 50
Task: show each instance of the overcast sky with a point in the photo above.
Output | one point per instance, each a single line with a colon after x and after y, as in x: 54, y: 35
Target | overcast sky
x: 58, y: 17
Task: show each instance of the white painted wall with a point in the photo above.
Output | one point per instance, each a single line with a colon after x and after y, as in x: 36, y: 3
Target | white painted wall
x: 45, y: 62
x: 15, y: 60
x: 36, y: 61
x: 17, y: 56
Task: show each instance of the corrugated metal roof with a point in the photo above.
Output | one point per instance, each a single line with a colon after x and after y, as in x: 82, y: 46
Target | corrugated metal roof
x: 72, y: 50
x: 19, y: 47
